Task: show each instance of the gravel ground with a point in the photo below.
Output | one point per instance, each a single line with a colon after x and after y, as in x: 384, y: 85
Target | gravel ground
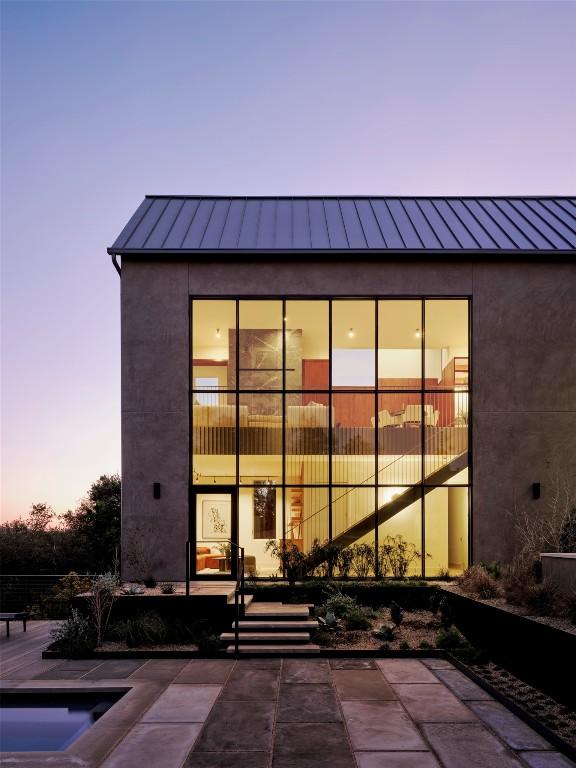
x: 417, y: 626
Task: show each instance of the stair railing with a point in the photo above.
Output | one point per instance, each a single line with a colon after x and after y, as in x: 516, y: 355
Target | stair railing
x: 429, y: 439
x: 239, y: 593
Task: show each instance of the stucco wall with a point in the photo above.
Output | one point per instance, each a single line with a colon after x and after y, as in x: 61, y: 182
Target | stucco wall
x: 524, y: 381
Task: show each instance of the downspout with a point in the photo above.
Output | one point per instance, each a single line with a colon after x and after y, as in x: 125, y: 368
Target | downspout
x: 116, y: 265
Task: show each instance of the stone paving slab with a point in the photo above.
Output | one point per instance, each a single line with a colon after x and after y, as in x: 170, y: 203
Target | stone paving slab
x: 246, y: 684
x: 159, y: 669
x: 468, y: 745
x: 353, y: 664
x: 396, y: 760
x: 114, y: 669
x: 207, y: 671
x: 62, y: 674
x: 405, y: 671
x: 183, y: 704
x: 438, y: 663
x: 80, y: 664
x: 305, y: 671
x: 362, y: 684
x: 305, y: 745
x: 381, y: 725
x: 307, y: 704
x: 227, y: 760
x: 155, y: 745
x: 231, y: 727
x: 516, y: 733
x: 462, y: 686
x: 432, y: 703
x: 546, y: 760
x: 30, y: 670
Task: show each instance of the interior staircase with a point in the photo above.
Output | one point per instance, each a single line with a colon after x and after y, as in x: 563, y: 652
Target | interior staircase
x: 269, y: 628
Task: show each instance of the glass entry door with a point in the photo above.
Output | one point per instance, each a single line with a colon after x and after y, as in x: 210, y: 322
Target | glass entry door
x: 214, y: 532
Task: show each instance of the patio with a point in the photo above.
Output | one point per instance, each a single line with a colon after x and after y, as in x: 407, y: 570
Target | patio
x: 255, y: 713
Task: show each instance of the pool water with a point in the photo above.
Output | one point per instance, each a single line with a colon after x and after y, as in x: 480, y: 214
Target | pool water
x: 49, y: 721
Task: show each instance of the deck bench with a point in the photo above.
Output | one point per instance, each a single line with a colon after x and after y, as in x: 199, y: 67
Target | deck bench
x: 22, y: 616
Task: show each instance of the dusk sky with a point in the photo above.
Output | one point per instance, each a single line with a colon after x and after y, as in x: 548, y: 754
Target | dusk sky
x: 104, y: 102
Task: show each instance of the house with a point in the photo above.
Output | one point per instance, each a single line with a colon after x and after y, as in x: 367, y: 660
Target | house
x: 342, y: 368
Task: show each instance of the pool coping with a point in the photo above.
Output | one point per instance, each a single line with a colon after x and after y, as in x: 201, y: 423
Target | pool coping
x: 93, y: 746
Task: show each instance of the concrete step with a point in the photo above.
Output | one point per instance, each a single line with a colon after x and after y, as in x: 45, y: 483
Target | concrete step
x: 266, y: 637
x: 285, y: 650
x: 278, y: 610
x: 292, y: 625
x: 247, y: 600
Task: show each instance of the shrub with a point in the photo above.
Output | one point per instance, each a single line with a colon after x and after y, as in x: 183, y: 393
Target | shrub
x: 396, y: 555
x: 357, y: 620
x: 362, y: 560
x: 133, y: 589
x: 477, y: 581
x: 149, y: 582
x: 541, y: 599
x: 340, y: 605
x: 60, y: 600
x: 404, y: 645
x: 493, y: 568
x: 396, y: 613
x: 451, y: 639
x: 167, y: 589
x: 75, y: 636
x: 144, y: 629
x: 568, y: 533
x: 446, y: 613
x: 568, y: 607
x: 345, y: 559
x: 209, y: 644
x: 291, y: 559
x: 425, y: 645
x: 386, y: 632
x: 434, y: 602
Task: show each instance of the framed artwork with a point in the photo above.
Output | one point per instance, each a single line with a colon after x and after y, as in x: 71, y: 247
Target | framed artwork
x: 216, y: 519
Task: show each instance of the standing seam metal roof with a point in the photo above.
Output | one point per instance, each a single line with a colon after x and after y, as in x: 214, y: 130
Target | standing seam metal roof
x: 180, y: 224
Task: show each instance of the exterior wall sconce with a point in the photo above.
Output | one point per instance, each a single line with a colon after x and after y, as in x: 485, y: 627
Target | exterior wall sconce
x: 351, y: 333
x: 218, y: 333
x: 418, y: 333
x: 156, y: 488
x: 536, y: 490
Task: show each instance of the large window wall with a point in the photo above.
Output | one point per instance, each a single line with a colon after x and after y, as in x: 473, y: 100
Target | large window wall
x: 355, y: 411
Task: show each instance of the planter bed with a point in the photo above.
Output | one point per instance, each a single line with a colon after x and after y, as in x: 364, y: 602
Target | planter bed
x: 536, y: 651
x: 552, y: 720
x: 410, y: 594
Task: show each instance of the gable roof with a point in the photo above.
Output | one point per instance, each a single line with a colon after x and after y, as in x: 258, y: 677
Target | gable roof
x: 179, y: 225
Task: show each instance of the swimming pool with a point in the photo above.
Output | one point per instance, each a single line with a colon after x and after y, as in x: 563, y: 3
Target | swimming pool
x: 49, y: 721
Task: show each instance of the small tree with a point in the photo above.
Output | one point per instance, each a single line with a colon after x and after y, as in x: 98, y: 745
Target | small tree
x: 101, y: 599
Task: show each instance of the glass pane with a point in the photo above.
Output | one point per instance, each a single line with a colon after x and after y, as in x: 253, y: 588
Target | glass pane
x: 213, y: 332
x: 307, y: 438
x: 260, y: 438
x: 353, y: 460
x: 400, y: 531
x: 213, y: 443
x: 353, y: 527
x: 259, y: 520
x: 446, y: 438
x: 446, y: 343
x: 399, y: 438
x: 307, y: 345
x: 307, y: 512
x: 260, y: 345
x: 353, y: 357
x: 213, y: 532
x: 399, y: 344
x: 446, y: 529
